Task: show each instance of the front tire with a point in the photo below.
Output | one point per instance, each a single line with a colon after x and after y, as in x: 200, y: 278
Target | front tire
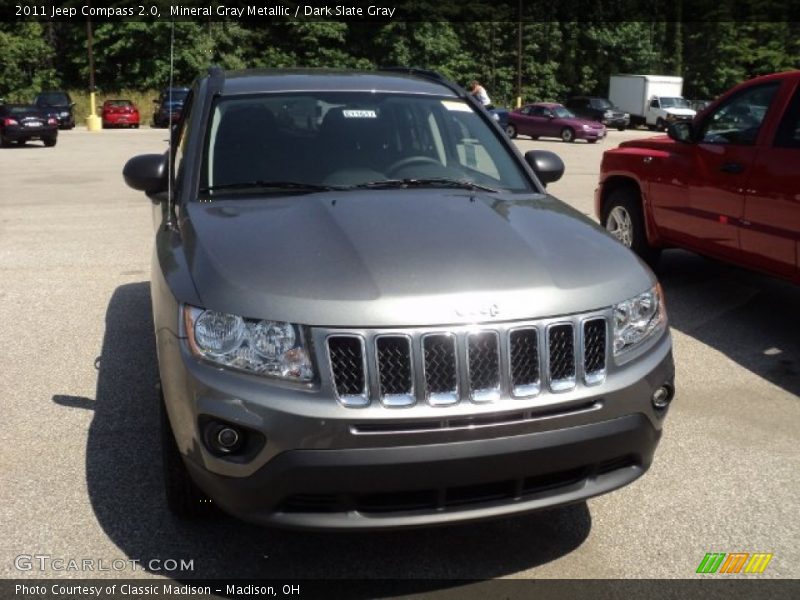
x: 623, y: 218
x: 184, y: 498
x: 50, y: 141
x: 568, y: 135
x: 511, y: 131
x: 661, y: 125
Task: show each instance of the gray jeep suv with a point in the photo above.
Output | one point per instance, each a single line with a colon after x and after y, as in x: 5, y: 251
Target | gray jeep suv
x: 370, y: 314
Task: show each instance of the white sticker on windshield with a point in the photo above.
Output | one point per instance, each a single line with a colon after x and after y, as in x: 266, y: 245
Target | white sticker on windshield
x: 359, y: 114
x: 456, y: 106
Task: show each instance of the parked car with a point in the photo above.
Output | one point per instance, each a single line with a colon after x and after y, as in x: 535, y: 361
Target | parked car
x: 21, y: 123
x: 169, y: 105
x: 368, y: 317
x: 724, y: 185
x: 120, y: 113
x: 600, y: 110
x: 546, y: 119
x: 57, y: 104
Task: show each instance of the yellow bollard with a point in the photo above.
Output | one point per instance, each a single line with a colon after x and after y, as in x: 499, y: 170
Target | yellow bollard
x: 93, y: 122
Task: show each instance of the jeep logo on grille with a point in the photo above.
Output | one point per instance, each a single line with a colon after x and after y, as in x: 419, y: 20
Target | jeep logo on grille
x: 486, y: 310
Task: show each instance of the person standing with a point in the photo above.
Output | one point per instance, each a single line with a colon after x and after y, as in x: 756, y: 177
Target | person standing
x: 477, y: 90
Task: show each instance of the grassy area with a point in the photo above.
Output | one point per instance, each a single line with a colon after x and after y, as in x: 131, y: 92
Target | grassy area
x: 142, y: 99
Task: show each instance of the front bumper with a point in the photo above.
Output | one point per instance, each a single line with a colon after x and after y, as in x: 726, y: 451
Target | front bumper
x: 15, y: 134
x: 616, y: 122
x: 411, y: 486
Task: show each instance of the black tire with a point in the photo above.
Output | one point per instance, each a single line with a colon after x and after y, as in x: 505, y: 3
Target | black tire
x: 661, y: 125
x: 184, y: 498
x: 50, y: 141
x: 568, y: 135
x: 4, y: 142
x: 621, y: 128
x: 21, y: 142
x: 511, y: 131
x: 136, y: 126
x: 625, y: 204
x: 592, y: 141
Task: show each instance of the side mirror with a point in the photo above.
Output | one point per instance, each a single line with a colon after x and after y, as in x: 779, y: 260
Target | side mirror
x: 146, y: 173
x: 547, y: 165
x: 681, y: 132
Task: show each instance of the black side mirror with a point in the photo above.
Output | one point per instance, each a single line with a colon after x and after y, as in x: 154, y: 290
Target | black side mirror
x: 547, y: 165
x: 146, y: 173
x: 682, y: 131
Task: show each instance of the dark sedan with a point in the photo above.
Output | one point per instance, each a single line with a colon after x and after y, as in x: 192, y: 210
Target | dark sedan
x: 546, y: 119
x: 21, y: 122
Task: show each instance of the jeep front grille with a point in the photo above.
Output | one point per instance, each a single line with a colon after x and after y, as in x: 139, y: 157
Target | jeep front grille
x: 401, y: 368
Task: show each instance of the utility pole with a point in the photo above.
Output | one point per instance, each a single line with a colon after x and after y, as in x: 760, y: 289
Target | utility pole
x: 92, y: 121
x: 519, y: 53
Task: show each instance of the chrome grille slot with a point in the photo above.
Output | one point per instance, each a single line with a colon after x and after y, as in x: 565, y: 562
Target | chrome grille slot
x: 441, y: 370
x: 395, y: 371
x: 594, y: 351
x: 524, y: 357
x: 348, y: 368
x: 561, y: 356
x: 483, y: 363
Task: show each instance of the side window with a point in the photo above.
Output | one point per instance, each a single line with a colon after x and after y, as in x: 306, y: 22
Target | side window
x: 654, y: 103
x: 526, y: 110
x: 739, y: 119
x: 537, y: 111
x: 788, y: 135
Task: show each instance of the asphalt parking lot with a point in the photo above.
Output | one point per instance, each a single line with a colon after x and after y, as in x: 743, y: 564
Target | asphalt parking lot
x: 80, y: 473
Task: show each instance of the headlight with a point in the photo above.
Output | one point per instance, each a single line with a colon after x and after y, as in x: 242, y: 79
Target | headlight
x: 496, y: 117
x: 626, y: 116
x: 271, y: 348
x: 608, y: 114
x: 587, y: 127
x: 637, y: 320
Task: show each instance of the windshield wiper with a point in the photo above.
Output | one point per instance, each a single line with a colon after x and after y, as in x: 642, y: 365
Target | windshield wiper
x: 294, y: 186
x: 426, y: 182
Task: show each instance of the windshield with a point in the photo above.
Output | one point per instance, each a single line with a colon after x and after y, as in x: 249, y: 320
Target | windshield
x: 674, y: 103
x: 563, y: 113
x: 52, y: 98
x: 349, y: 139
x: 601, y: 104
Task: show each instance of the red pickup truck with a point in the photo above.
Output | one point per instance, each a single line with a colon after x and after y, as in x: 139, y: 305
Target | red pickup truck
x: 726, y: 185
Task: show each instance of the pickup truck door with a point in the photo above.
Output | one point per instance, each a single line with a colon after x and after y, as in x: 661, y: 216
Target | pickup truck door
x: 770, y: 233
x: 724, y: 155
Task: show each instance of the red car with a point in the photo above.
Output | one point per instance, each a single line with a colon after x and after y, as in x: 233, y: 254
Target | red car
x: 726, y: 185
x: 120, y: 113
x: 546, y: 119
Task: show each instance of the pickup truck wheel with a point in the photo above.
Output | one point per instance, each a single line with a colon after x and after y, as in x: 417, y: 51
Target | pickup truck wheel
x: 567, y: 134
x: 623, y: 218
x: 511, y: 131
x: 184, y: 498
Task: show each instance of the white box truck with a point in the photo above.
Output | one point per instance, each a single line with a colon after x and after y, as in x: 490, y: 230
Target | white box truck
x: 652, y: 100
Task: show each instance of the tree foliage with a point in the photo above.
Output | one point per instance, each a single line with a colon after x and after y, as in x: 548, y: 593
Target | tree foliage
x: 574, y: 55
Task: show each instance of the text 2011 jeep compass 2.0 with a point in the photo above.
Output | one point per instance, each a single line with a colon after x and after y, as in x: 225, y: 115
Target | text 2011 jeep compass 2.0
x: 369, y: 313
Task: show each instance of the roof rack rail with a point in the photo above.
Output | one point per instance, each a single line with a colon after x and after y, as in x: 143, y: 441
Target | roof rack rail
x: 427, y: 74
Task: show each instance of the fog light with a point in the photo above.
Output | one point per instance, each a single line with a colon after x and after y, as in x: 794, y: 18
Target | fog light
x: 228, y: 438
x: 662, y: 397
x: 222, y: 438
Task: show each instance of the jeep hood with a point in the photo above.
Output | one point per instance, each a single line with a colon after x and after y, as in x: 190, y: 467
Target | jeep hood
x: 403, y: 258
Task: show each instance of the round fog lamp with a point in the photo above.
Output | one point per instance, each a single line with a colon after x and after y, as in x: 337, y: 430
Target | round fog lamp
x: 227, y: 438
x: 661, y: 397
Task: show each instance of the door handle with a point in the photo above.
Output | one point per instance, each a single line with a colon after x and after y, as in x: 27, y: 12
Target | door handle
x: 732, y: 167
